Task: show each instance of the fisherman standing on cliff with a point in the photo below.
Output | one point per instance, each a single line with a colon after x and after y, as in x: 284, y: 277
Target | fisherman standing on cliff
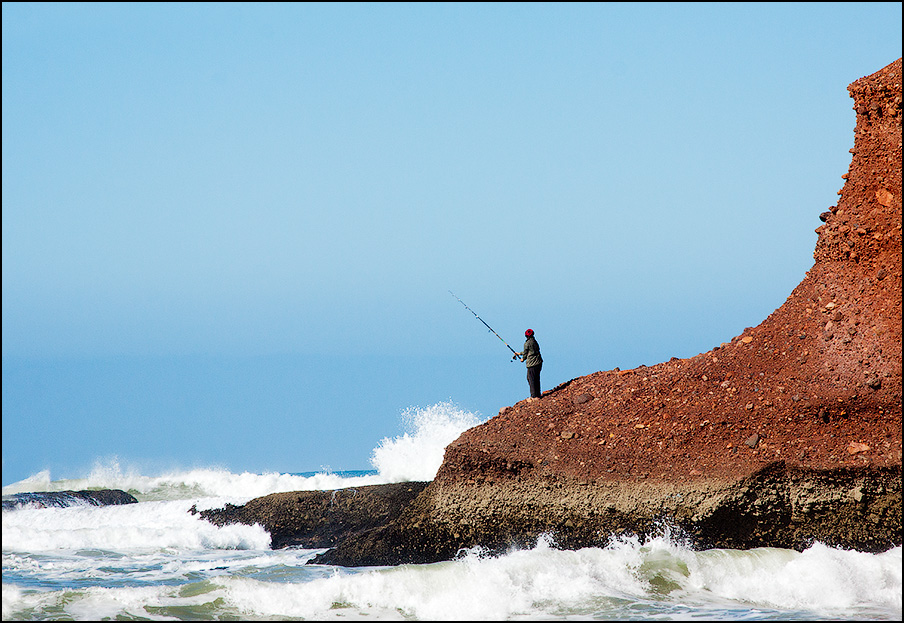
x: 534, y: 362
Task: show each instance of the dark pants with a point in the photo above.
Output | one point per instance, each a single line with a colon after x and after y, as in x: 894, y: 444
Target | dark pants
x: 533, y: 379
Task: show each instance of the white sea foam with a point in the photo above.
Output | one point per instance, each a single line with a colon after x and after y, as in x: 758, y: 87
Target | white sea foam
x: 821, y: 579
x: 657, y: 578
x: 144, y: 525
x: 161, y: 520
x: 194, y: 483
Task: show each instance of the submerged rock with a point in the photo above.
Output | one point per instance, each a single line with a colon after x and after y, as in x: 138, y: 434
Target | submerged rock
x: 62, y: 499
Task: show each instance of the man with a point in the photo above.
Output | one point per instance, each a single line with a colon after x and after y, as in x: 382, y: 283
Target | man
x: 534, y: 362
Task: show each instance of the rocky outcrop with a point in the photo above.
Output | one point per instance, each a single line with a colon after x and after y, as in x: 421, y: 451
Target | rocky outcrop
x: 788, y: 433
x: 62, y: 499
x: 316, y: 519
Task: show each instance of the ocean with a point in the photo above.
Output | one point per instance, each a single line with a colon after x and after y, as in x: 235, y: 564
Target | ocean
x: 154, y: 560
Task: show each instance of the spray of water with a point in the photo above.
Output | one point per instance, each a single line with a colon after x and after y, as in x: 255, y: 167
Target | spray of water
x: 418, y: 453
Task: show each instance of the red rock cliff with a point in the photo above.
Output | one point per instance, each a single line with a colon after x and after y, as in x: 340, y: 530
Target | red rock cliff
x: 817, y: 384
x: 788, y: 433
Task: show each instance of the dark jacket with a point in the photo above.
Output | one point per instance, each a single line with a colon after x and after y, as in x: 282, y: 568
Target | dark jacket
x: 531, y: 353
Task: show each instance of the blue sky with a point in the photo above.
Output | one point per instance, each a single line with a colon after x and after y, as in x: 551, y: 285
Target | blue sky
x: 229, y: 231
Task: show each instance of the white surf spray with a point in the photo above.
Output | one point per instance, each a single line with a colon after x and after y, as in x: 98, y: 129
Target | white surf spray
x: 416, y: 454
x: 147, y: 525
x: 628, y: 579
x: 186, y: 484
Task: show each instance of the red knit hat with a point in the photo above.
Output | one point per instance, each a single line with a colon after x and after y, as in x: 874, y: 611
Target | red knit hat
x: 528, y: 333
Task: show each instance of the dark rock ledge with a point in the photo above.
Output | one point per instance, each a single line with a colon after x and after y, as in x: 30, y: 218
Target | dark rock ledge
x: 316, y: 519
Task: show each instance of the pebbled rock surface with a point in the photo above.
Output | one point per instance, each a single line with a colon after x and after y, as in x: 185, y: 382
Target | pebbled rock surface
x: 787, y: 433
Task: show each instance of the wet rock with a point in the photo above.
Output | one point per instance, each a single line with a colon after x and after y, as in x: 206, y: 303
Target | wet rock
x: 62, y: 499
x: 315, y: 519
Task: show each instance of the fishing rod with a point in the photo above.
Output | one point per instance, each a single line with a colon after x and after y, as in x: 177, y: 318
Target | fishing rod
x: 486, y: 325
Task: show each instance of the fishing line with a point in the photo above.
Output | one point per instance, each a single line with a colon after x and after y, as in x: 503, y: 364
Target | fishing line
x: 487, y: 326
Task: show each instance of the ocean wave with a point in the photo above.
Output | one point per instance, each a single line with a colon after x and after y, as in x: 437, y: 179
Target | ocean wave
x: 147, y: 525
x: 628, y: 579
x: 821, y: 578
